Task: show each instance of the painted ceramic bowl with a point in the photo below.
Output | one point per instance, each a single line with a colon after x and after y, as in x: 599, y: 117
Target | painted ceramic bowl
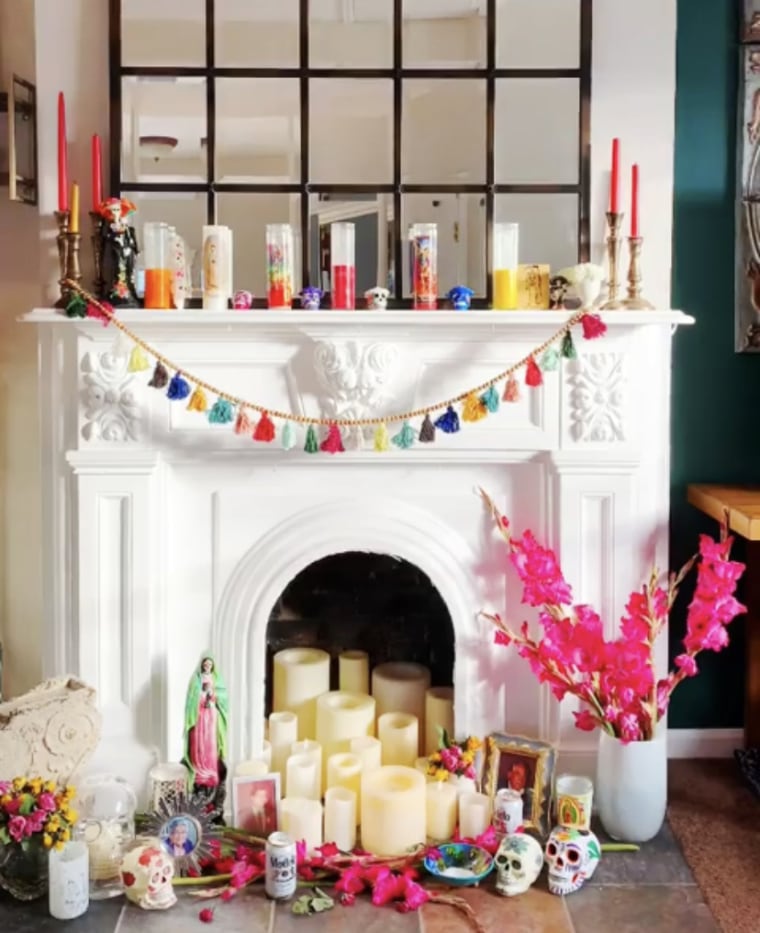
x: 459, y: 863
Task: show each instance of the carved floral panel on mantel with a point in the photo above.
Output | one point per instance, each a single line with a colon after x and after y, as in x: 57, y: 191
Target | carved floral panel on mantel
x: 597, y: 398
x: 109, y: 407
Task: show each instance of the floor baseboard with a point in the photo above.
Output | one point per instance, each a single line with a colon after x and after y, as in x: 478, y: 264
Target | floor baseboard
x: 704, y: 743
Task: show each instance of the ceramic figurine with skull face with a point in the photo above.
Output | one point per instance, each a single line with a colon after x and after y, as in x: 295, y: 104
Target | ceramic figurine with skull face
x: 377, y: 298
x: 146, y: 873
x: 519, y: 861
x: 571, y: 856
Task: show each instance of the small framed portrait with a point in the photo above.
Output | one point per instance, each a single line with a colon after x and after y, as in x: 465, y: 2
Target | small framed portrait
x: 185, y: 826
x: 180, y: 836
x: 525, y: 766
x: 256, y: 803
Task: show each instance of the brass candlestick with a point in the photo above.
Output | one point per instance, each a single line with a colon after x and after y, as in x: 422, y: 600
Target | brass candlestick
x: 634, y: 301
x: 614, y: 222
x: 96, y: 239
x: 62, y: 218
x: 73, y: 269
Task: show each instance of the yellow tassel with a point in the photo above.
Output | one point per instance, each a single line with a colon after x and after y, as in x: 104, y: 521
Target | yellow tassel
x: 382, y: 441
x: 138, y: 362
x: 473, y: 409
x: 198, y: 401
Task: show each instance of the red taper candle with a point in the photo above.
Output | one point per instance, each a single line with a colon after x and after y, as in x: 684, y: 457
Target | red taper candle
x: 615, y: 177
x: 63, y: 162
x: 634, y: 200
x: 97, y: 173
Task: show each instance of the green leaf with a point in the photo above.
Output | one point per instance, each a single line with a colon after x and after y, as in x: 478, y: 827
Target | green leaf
x: 443, y: 737
x: 25, y: 844
x: 27, y: 805
x: 301, y: 906
x: 4, y: 837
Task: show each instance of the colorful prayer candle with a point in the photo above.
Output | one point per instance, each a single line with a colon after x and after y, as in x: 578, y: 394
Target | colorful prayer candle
x: 343, y: 266
x: 279, y: 265
x: 425, y: 266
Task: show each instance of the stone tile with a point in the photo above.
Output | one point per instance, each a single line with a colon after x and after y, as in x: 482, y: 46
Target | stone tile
x: 249, y: 911
x: 659, y: 861
x: 361, y: 917
x: 34, y: 917
x: 631, y: 909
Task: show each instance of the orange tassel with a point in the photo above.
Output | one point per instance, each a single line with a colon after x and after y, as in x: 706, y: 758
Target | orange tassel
x: 243, y: 423
x: 511, y: 390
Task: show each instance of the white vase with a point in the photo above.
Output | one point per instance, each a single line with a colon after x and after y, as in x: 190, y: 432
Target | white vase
x: 588, y: 291
x: 632, y: 787
x: 464, y: 785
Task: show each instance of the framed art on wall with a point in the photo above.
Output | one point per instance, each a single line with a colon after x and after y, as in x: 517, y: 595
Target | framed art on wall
x: 526, y: 766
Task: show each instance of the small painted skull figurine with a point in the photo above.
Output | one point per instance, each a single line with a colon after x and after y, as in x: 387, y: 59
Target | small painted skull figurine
x: 459, y: 297
x: 572, y: 856
x: 311, y: 296
x: 519, y: 861
x: 558, y: 286
x: 377, y: 298
x: 243, y: 300
x: 146, y: 873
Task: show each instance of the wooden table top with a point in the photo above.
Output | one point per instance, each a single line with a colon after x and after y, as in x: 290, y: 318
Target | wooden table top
x: 742, y: 503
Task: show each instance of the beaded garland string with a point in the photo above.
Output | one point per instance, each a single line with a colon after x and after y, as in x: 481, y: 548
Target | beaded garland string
x: 475, y: 402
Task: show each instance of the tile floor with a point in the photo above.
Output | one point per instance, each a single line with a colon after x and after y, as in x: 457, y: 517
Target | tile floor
x: 652, y: 890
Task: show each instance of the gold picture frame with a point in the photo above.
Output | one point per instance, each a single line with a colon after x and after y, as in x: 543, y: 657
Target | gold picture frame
x: 527, y: 766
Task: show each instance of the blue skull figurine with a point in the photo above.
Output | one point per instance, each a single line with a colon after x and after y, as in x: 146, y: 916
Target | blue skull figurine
x: 459, y: 297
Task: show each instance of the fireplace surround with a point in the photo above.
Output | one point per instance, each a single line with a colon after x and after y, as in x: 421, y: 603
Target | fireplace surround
x: 168, y: 536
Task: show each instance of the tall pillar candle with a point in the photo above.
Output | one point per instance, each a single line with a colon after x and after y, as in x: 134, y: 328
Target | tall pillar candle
x: 314, y: 751
x: 441, y: 811
x: 345, y: 770
x: 439, y: 714
x: 474, y: 814
x: 393, y: 811
x: 217, y: 267
x: 301, y: 819
x: 370, y: 751
x: 399, y: 737
x: 283, y: 731
x: 341, y: 817
x: 254, y: 767
x: 69, y: 881
x: 400, y: 687
x: 301, y: 777
x: 353, y: 671
x: 341, y: 717
x: 300, y: 676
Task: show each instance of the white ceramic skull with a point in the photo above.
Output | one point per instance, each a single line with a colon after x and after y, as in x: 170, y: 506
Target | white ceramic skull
x: 146, y: 873
x: 519, y: 861
x: 377, y: 298
x: 572, y: 856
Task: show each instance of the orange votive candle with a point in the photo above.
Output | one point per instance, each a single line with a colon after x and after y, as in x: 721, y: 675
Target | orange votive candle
x: 158, y: 288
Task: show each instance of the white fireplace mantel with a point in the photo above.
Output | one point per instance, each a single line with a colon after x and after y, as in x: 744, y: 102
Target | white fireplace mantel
x: 166, y: 535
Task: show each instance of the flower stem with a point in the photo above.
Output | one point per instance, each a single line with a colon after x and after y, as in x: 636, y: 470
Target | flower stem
x: 201, y: 880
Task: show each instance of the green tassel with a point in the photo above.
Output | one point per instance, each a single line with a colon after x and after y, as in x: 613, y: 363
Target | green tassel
x: 221, y: 412
x: 312, y: 443
x: 490, y: 399
x: 405, y: 437
x: 568, y: 347
x: 550, y: 360
x: 288, y: 438
x: 76, y: 306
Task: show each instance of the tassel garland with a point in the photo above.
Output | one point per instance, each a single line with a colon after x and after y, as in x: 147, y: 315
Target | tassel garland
x: 179, y: 388
x: 138, y: 361
x: 354, y: 439
x: 333, y: 443
x: 76, y: 306
x: 265, y: 429
x: 288, y: 436
x: 198, y: 400
x: 568, y: 347
x: 550, y: 360
x: 511, y: 390
x: 221, y: 413
x: 427, y: 431
x: 381, y: 438
x: 242, y: 423
x: 448, y: 422
x: 473, y: 409
x: 311, y: 445
x: 593, y: 326
x: 490, y: 399
x: 405, y: 437
x: 533, y: 375
x: 98, y: 314
x: 160, y: 376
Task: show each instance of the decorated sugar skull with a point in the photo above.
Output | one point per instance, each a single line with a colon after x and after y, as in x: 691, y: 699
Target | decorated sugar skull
x: 311, y: 296
x: 146, y: 873
x: 377, y: 298
x: 459, y: 297
x: 571, y: 856
x: 519, y: 861
x: 243, y: 300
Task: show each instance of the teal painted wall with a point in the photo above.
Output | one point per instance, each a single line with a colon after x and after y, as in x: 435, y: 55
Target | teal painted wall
x: 715, y: 433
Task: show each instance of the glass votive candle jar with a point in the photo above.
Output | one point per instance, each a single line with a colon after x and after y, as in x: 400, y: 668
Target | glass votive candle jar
x: 343, y: 266
x: 107, y: 807
x: 425, y: 266
x: 157, y: 239
x: 505, y: 259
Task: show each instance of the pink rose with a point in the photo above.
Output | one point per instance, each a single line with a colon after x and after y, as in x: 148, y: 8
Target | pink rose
x: 16, y: 828
x: 46, y: 801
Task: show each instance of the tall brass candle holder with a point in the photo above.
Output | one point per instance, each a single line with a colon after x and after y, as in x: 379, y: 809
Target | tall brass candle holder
x: 634, y: 301
x: 614, y: 223
x: 62, y: 218
x: 73, y: 269
x: 96, y: 239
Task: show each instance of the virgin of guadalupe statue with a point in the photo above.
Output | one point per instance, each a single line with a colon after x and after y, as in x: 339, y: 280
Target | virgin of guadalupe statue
x: 120, y: 251
x: 206, y: 711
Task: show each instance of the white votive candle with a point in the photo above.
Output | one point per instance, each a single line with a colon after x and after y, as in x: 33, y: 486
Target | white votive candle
x: 300, y: 676
x: 252, y: 768
x: 302, y: 820
x: 392, y: 810
x: 474, y: 814
x: 441, y: 811
x: 400, y: 687
x: 283, y: 731
x: 398, y: 733
x: 301, y: 777
x: 340, y: 817
x: 69, y: 881
x: 314, y: 751
x: 345, y: 770
x: 341, y: 717
x: 369, y: 750
x: 439, y: 713
x: 353, y: 671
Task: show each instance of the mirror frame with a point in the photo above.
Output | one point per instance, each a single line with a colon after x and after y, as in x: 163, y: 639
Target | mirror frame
x: 20, y: 188
x: 490, y: 73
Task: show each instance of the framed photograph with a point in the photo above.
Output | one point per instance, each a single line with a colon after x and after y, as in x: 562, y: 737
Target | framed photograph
x: 256, y: 804
x: 527, y: 767
x: 185, y: 827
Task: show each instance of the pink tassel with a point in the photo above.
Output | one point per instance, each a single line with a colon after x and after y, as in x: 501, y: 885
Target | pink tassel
x: 593, y: 326
x: 243, y: 423
x: 533, y: 375
x: 511, y: 390
x: 264, y: 429
x: 95, y: 312
x: 333, y: 443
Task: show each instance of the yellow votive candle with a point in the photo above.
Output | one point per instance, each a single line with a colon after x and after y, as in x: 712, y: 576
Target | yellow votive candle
x: 505, y: 289
x: 353, y: 671
x: 400, y: 687
x: 302, y: 819
x: 392, y: 810
x: 314, y: 751
x: 283, y: 731
x: 341, y: 717
x: 440, y: 811
x: 370, y: 751
x: 439, y: 712
x: 399, y: 737
x: 301, y: 777
x: 474, y: 814
x: 300, y: 676
x: 340, y: 817
x: 345, y: 770
x: 253, y: 768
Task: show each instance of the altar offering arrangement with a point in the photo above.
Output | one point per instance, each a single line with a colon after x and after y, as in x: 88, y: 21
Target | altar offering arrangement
x: 343, y: 266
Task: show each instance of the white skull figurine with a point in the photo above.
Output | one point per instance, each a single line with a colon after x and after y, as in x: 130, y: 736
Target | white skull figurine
x: 146, y: 873
x: 572, y: 856
x: 377, y: 298
x: 519, y: 861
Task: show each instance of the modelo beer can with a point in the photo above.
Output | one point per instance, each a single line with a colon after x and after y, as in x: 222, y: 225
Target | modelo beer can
x: 280, y: 877
x: 507, y: 811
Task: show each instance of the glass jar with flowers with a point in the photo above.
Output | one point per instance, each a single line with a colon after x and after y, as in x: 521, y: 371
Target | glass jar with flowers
x: 615, y: 680
x: 35, y: 816
x: 455, y: 762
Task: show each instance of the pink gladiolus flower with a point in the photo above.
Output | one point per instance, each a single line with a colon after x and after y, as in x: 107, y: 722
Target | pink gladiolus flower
x: 687, y: 664
x: 328, y: 850
x: 16, y: 828
x: 414, y: 897
x: 351, y: 881
x: 488, y: 840
x: 584, y: 720
x: 539, y: 571
x: 501, y: 638
x: 347, y: 899
x: 242, y: 873
x: 387, y: 887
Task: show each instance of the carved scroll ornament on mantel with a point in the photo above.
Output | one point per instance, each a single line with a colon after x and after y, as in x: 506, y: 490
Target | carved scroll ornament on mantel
x: 356, y: 378
x: 597, y: 398
x: 109, y: 403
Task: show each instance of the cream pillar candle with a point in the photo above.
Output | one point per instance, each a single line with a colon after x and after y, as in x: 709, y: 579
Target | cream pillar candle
x: 340, y: 817
x: 300, y: 676
x: 283, y: 731
x: 439, y: 712
x: 253, y: 768
x: 474, y: 814
x: 353, y: 671
x: 314, y: 751
x: 422, y: 764
x: 399, y: 735
x: 392, y: 810
x: 399, y: 687
x: 341, y: 717
x: 264, y: 754
x: 369, y: 750
x: 302, y: 819
x: 301, y: 777
x: 345, y: 770
x: 440, y: 810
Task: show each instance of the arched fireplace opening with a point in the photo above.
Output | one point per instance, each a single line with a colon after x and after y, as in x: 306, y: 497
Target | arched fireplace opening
x: 378, y: 603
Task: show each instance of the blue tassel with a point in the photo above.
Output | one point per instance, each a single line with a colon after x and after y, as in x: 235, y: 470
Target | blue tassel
x: 179, y: 388
x: 221, y: 412
x: 490, y: 398
x: 448, y: 421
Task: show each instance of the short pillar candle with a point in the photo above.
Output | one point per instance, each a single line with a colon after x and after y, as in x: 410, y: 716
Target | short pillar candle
x: 370, y: 751
x: 441, y: 811
x: 474, y: 814
x: 301, y: 777
x: 400, y: 687
x: 439, y: 713
x: 300, y: 676
x: 314, y: 751
x: 393, y: 811
x: 341, y: 717
x: 301, y: 818
x: 399, y: 737
x: 283, y: 731
x: 353, y: 671
x: 345, y: 770
x: 340, y: 817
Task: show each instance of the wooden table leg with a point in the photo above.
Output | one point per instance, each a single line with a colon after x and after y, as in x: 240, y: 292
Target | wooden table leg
x: 751, y: 582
